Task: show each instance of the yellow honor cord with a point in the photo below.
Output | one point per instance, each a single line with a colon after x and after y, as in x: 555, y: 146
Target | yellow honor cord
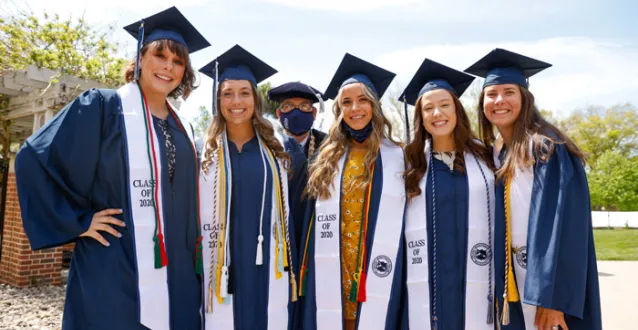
x: 286, y: 253
x: 221, y: 253
x: 512, y: 290
x: 280, y: 207
x: 278, y: 229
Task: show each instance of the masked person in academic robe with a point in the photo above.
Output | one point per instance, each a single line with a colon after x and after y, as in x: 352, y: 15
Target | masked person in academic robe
x: 546, y: 275
x: 251, y: 186
x: 115, y: 172
x: 352, y: 263
x: 449, y: 223
x: 297, y: 113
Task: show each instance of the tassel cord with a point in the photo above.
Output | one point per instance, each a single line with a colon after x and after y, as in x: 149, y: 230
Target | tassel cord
x: 140, y: 40
x: 490, y: 300
x: 434, y: 253
x: 260, y: 238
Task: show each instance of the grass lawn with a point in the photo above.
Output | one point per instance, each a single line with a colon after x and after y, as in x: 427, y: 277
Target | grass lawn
x: 616, y: 244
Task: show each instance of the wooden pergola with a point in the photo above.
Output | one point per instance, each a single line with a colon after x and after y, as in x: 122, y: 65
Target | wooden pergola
x: 35, y: 95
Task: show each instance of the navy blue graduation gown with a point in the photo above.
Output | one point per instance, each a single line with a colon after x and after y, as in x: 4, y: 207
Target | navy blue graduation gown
x: 561, y: 260
x: 451, y: 244
x: 397, y: 308
x: 76, y: 165
x: 248, y: 282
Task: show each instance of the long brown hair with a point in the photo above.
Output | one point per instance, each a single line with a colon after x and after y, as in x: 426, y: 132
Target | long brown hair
x: 323, y: 170
x: 263, y: 127
x: 464, y: 139
x: 188, y: 80
x: 529, y: 127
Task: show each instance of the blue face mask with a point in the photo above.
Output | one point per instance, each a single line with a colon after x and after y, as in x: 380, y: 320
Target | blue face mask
x: 358, y: 135
x: 296, y: 121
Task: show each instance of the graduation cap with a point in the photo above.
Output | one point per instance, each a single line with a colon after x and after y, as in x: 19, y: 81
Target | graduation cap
x: 355, y: 70
x: 501, y: 66
x: 236, y: 64
x: 294, y: 89
x: 169, y: 24
x: 433, y: 75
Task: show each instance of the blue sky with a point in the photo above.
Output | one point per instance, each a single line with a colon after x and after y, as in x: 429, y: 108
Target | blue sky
x: 593, y: 44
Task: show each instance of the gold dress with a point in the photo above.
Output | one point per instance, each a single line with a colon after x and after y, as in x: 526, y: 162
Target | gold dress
x: 352, y: 203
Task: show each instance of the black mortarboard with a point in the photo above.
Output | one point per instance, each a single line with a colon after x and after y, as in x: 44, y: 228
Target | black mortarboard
x: 294, y: 89
x: 501, y: 66
x: 433, y: 75
x: 236, y: 64
x: 169, y: 24
x: 352, y: 70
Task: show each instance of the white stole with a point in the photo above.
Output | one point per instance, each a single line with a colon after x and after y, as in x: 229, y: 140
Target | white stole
x: 380, y: 273
x: 222, y: 316
x: 152, y: 283
x: 520, y: 199
x: 479, y: 253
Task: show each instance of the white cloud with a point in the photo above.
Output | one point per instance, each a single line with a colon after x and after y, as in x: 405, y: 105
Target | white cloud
x: 585, y: 70
x: 442, y: 11
x: 97, y: 11
x: 344, y: 5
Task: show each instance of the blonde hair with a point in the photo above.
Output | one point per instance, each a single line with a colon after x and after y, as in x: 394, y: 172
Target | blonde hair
x: 262, y: 127
x: 324, y: 168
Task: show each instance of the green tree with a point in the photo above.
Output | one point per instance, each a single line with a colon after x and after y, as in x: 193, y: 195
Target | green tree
x: 393, y: 110
x: 470, y: 99
x: 201, y: 122
x: 68, y: 46
x: 597, y: 130
x: 549, y: 116
x: 271, y: 106
x: 613, y: 182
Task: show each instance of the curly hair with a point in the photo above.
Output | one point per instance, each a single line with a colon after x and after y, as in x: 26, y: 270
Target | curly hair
x: 262, y: 126
x: 188, y: 80
x: 324, y: 168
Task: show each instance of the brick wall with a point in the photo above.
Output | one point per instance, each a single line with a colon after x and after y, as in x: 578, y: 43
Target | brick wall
x: 20, y: 266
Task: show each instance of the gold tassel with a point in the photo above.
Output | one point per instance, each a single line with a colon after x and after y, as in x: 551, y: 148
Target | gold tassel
x: 293, y: 284
x: 490, y: 309
x: 498, y: 324
x: 505, y: 318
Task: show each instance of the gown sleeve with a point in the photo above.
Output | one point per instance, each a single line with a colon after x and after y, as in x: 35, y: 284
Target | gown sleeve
x: 559, y: 238
x: 55, y: 169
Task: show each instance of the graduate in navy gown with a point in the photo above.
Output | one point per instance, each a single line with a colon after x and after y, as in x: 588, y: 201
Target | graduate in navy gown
x: 251, y: 186
x: 115, y: 172
x: 352, y: 262
x: 544, y: 244
x: 449, y: 223
x: 297, y: 114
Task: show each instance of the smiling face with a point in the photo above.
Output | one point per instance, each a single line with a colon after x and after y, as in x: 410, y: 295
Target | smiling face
x: 237, y: 102
x: 356, y: 107
x: 161, y: 71
x: 439, y: 113
x: 502, y: 105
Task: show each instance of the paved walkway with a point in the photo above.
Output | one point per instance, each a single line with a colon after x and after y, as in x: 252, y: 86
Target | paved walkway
x: 619, y: 294
x: 41, y: 308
